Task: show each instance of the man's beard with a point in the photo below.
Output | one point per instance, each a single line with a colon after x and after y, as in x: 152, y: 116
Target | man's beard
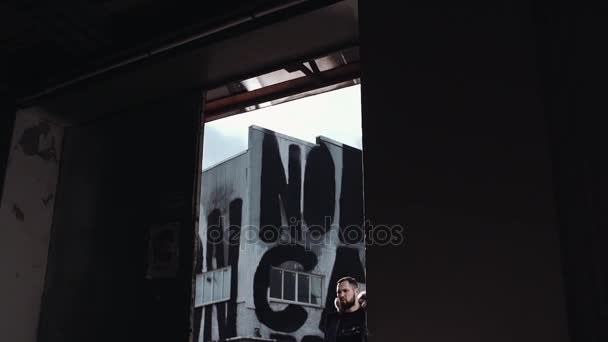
x: 348, y: 304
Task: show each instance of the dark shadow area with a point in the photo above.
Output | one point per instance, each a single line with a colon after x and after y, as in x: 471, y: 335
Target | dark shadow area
x: 113, y: 269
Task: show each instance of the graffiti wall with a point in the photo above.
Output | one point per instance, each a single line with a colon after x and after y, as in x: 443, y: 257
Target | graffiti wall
x: 225, y: 189
x: 285, y: 208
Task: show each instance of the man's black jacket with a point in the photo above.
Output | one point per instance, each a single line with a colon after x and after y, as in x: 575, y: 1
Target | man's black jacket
x: 332, y: 323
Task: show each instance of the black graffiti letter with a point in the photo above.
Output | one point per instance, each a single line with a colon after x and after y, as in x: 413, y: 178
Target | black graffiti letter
x: 276, y: 192
x: 351, y: 197
x: 319, y: 189
x: 234, y: 233
x: 226, y: 312
x: 293, y: 316
x: 294, y: 193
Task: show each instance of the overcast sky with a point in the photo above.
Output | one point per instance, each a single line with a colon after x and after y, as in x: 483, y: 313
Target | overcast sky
x: 335, y: 114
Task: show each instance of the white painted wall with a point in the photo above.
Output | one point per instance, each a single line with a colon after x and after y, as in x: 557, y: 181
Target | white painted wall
x: 26, y: 215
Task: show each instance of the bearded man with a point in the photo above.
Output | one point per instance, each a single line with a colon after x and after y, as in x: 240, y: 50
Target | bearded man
x: 348, y: 324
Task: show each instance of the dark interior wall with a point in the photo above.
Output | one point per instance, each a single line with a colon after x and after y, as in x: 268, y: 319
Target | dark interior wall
x: 456, y: 150
x: 7, y: 121
x: 120, y: 176
x: 573, y: 66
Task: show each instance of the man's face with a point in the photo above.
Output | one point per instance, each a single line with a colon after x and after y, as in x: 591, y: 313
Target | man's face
x: 347, y: 295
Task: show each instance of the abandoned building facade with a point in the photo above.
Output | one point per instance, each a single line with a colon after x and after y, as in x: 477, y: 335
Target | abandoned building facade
x: 279, y: 224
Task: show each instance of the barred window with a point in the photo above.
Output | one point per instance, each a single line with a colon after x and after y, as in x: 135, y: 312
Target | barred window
x: 213, y: 287
x: 295, y: 287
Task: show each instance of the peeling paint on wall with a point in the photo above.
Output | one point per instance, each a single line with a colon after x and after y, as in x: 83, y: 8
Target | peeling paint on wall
x: 26, y: 215
x: 19, y: 215
x: 47, y: 199
x: 37, y: 140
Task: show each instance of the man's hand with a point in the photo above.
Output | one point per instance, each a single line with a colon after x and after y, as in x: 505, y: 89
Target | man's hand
x: 362, y: 299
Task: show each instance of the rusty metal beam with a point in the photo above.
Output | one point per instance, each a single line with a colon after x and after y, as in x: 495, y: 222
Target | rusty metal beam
x: 222, y: 107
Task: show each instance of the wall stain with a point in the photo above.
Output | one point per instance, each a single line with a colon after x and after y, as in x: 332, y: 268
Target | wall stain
x: 47, y: 199
x: 31, y: 138
x: 18, y: 213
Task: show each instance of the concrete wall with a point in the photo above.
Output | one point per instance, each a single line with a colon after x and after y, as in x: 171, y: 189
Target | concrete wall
x: 455, y: 148
x: 26, y: 215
